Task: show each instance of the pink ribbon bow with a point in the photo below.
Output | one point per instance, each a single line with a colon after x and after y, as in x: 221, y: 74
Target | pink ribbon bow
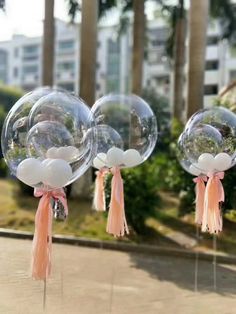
x: 116, y: 223
x: 214, y: 195
x: 42, y: 242
x: 199, y: 200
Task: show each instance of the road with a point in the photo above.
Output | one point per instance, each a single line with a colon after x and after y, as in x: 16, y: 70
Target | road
x: 96, y: 281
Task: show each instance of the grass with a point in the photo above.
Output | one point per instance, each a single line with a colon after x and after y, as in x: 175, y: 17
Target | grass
x: 17, y: 212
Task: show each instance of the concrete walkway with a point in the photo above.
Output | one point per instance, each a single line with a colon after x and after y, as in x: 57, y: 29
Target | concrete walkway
x: 93, y: 281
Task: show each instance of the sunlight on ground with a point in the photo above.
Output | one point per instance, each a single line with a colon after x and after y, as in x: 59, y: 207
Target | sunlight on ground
x: 165, y: 229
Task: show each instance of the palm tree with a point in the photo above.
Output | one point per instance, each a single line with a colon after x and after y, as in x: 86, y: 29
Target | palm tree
x: 88, y: 48
x: 179, y: 61
x: 138, y: 46
x: 198, y: 21
x: 48, y: 43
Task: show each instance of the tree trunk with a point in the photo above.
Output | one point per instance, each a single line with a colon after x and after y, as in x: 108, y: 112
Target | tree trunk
x: 87, y: 84
x: 48, y: 44
x: 179, y: 60
x: 138, y: 46
x: 88, y: 47
x: 198, y: 21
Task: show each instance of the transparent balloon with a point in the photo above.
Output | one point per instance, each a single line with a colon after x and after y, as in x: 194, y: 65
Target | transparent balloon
x: 187, y: 165
x: 107, y: 138
x: 223, y: 120
x: 60, y: 124
x: 15, y: 128
x: 204, y: 146
x: 132, y: 118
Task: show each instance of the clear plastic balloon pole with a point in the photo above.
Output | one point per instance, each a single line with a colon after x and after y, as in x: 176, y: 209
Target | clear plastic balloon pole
x: 44, y: 293
x: 196, y: 261
x: 214, y: 260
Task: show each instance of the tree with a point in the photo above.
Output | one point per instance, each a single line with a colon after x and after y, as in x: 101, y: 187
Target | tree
x: 198, y: 21
x: 88, y: 47
x: 48, y: 43
x: 138, y: 46
x: 138, y: 32
x: 179, y: 61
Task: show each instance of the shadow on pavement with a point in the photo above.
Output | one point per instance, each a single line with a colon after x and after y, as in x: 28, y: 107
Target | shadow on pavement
x: 181, y: 272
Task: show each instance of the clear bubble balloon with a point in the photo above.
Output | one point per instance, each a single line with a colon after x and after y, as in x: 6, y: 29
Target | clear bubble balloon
x: 204, y: 146
x: 60, y: 124
x: 107, y: 138
x: 223, y: 120
x: 132, y: 118
x: 187, y: 165
x: 15, y: 128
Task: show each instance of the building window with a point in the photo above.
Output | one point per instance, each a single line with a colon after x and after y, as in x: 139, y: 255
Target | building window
x: 113, y: 66
x: 30, y: 49
x: 67, y: 86
x: 66, y: 66
x: 15, y: 72
x: 157, y: 43
x: 113, y: 46
x: 66, y: 44
x: 212, y: 65
x: 30, y: 69
x: 30, y: 57
x: 210, y: 89
x: 16, y: 52
x: 163, y: 79
x: 232, y: 75
x: 212, y: 40
x: 3, y: 57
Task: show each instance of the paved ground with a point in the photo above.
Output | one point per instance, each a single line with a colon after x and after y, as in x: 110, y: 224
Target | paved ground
x: 93, y: 281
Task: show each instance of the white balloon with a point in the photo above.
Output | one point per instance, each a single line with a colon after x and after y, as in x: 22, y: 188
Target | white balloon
x: 73, y: 152
x: 52, y: 153
x: 57, y: 173
x: 46, y: 161
x: 222, y: 161
x: 206, y: 162
x: 132, y: 158
x: 63, y: 153
x: 30, y: 171
x: 102, y: 156
x: 98, y: 163
x: 115, y: 156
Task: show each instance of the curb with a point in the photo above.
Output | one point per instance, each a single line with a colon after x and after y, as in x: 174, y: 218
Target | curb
x: 124, y: 247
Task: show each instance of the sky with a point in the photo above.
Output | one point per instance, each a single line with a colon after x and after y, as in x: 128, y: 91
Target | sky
x: 26, y: 16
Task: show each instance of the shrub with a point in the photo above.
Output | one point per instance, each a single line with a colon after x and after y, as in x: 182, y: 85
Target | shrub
x: 3, y: 168
x: 141, y: 197
x: 8, y: 96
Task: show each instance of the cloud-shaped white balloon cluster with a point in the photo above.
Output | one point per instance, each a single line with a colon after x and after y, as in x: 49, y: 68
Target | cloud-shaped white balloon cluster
x: 117, y: 157
x: 54, y: 173
x: 68, y: 153
x: 208, y: 163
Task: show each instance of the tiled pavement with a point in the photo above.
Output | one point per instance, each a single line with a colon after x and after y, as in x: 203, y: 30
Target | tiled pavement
x: 95, y: 281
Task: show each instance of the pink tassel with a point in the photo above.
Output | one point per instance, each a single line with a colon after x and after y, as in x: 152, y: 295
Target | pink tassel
x: 116, y: 223
x: 99, y: 202
x: 42, y: 242
x: 214, y: 195
x: 199, y: 201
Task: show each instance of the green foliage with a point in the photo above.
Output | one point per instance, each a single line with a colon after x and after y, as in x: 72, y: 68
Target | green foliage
x: 161, y: 108
x: 225, y: 11
x: 8, y: 96
x: 3, y: 168
x: 74, y: 6
x: 141, y: 197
